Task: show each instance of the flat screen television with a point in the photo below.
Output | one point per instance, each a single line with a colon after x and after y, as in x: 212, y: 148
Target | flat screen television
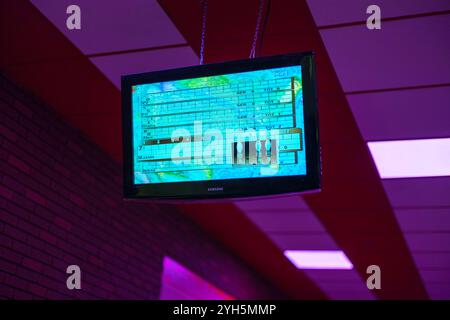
x: 234, y: 129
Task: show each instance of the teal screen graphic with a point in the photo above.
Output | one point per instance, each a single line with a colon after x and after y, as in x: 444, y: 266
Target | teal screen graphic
x: 230, y: 126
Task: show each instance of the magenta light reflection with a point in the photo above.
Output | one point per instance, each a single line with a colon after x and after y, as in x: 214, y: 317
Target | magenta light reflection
x: 412, y: 158
x: 319, y: 259
x: 180, y: 283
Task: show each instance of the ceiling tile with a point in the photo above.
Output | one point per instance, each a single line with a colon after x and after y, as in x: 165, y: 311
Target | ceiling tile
x: 114, y: 66
x: 324, y: 276
x: 328, y: 12
x: 105, y: 27
x: 429, y: 219
x: 428, y: 241
x: 435, y: 276
x: 432, y: 260
x: 403, y: 53
x: 439, y: 291
x: 405, y: 114
x: 418, y: 192
x: 341, y: 284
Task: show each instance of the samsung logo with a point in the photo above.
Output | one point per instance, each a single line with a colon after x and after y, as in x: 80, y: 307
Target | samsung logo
x: 215, y: 189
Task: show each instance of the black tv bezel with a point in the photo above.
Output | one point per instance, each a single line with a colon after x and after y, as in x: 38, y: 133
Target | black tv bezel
x: 228, y: 188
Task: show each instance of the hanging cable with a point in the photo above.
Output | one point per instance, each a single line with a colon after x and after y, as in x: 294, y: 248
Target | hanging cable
x: 204, y: 4
x: 258, y: 25
x: 263, y: 29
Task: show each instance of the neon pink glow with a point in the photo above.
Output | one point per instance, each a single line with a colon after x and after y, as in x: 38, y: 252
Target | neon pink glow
x: 319, y: 259
x: 412, y: 158
x: 179, y: 283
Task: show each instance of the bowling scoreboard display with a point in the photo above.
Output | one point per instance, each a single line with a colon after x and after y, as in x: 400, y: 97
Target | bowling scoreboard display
x: 235, y: 129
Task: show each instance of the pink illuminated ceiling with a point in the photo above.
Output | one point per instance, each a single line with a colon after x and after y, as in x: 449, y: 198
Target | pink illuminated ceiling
x: 393, y: 82
x: 411, y: 158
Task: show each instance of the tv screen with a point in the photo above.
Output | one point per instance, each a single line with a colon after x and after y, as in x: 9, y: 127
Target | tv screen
x: 233, y: 129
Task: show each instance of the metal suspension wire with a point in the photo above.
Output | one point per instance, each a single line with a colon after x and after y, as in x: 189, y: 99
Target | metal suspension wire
x: 204, y: 4
x: 257, y: 28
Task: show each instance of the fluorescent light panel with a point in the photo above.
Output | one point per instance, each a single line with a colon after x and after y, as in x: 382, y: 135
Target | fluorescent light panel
x: 412, y: 158
x: 319, y: 259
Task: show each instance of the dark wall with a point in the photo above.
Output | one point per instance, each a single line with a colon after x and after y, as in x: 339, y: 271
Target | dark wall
x: 60, y: 204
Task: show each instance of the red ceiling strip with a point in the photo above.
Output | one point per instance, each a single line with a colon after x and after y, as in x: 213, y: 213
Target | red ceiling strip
x: 352, y: 206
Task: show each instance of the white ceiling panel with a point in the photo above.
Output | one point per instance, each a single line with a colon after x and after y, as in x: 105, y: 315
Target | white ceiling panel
x: 411, y: 158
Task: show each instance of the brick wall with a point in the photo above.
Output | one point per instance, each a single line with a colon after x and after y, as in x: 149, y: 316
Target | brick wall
x: 60, y: 204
